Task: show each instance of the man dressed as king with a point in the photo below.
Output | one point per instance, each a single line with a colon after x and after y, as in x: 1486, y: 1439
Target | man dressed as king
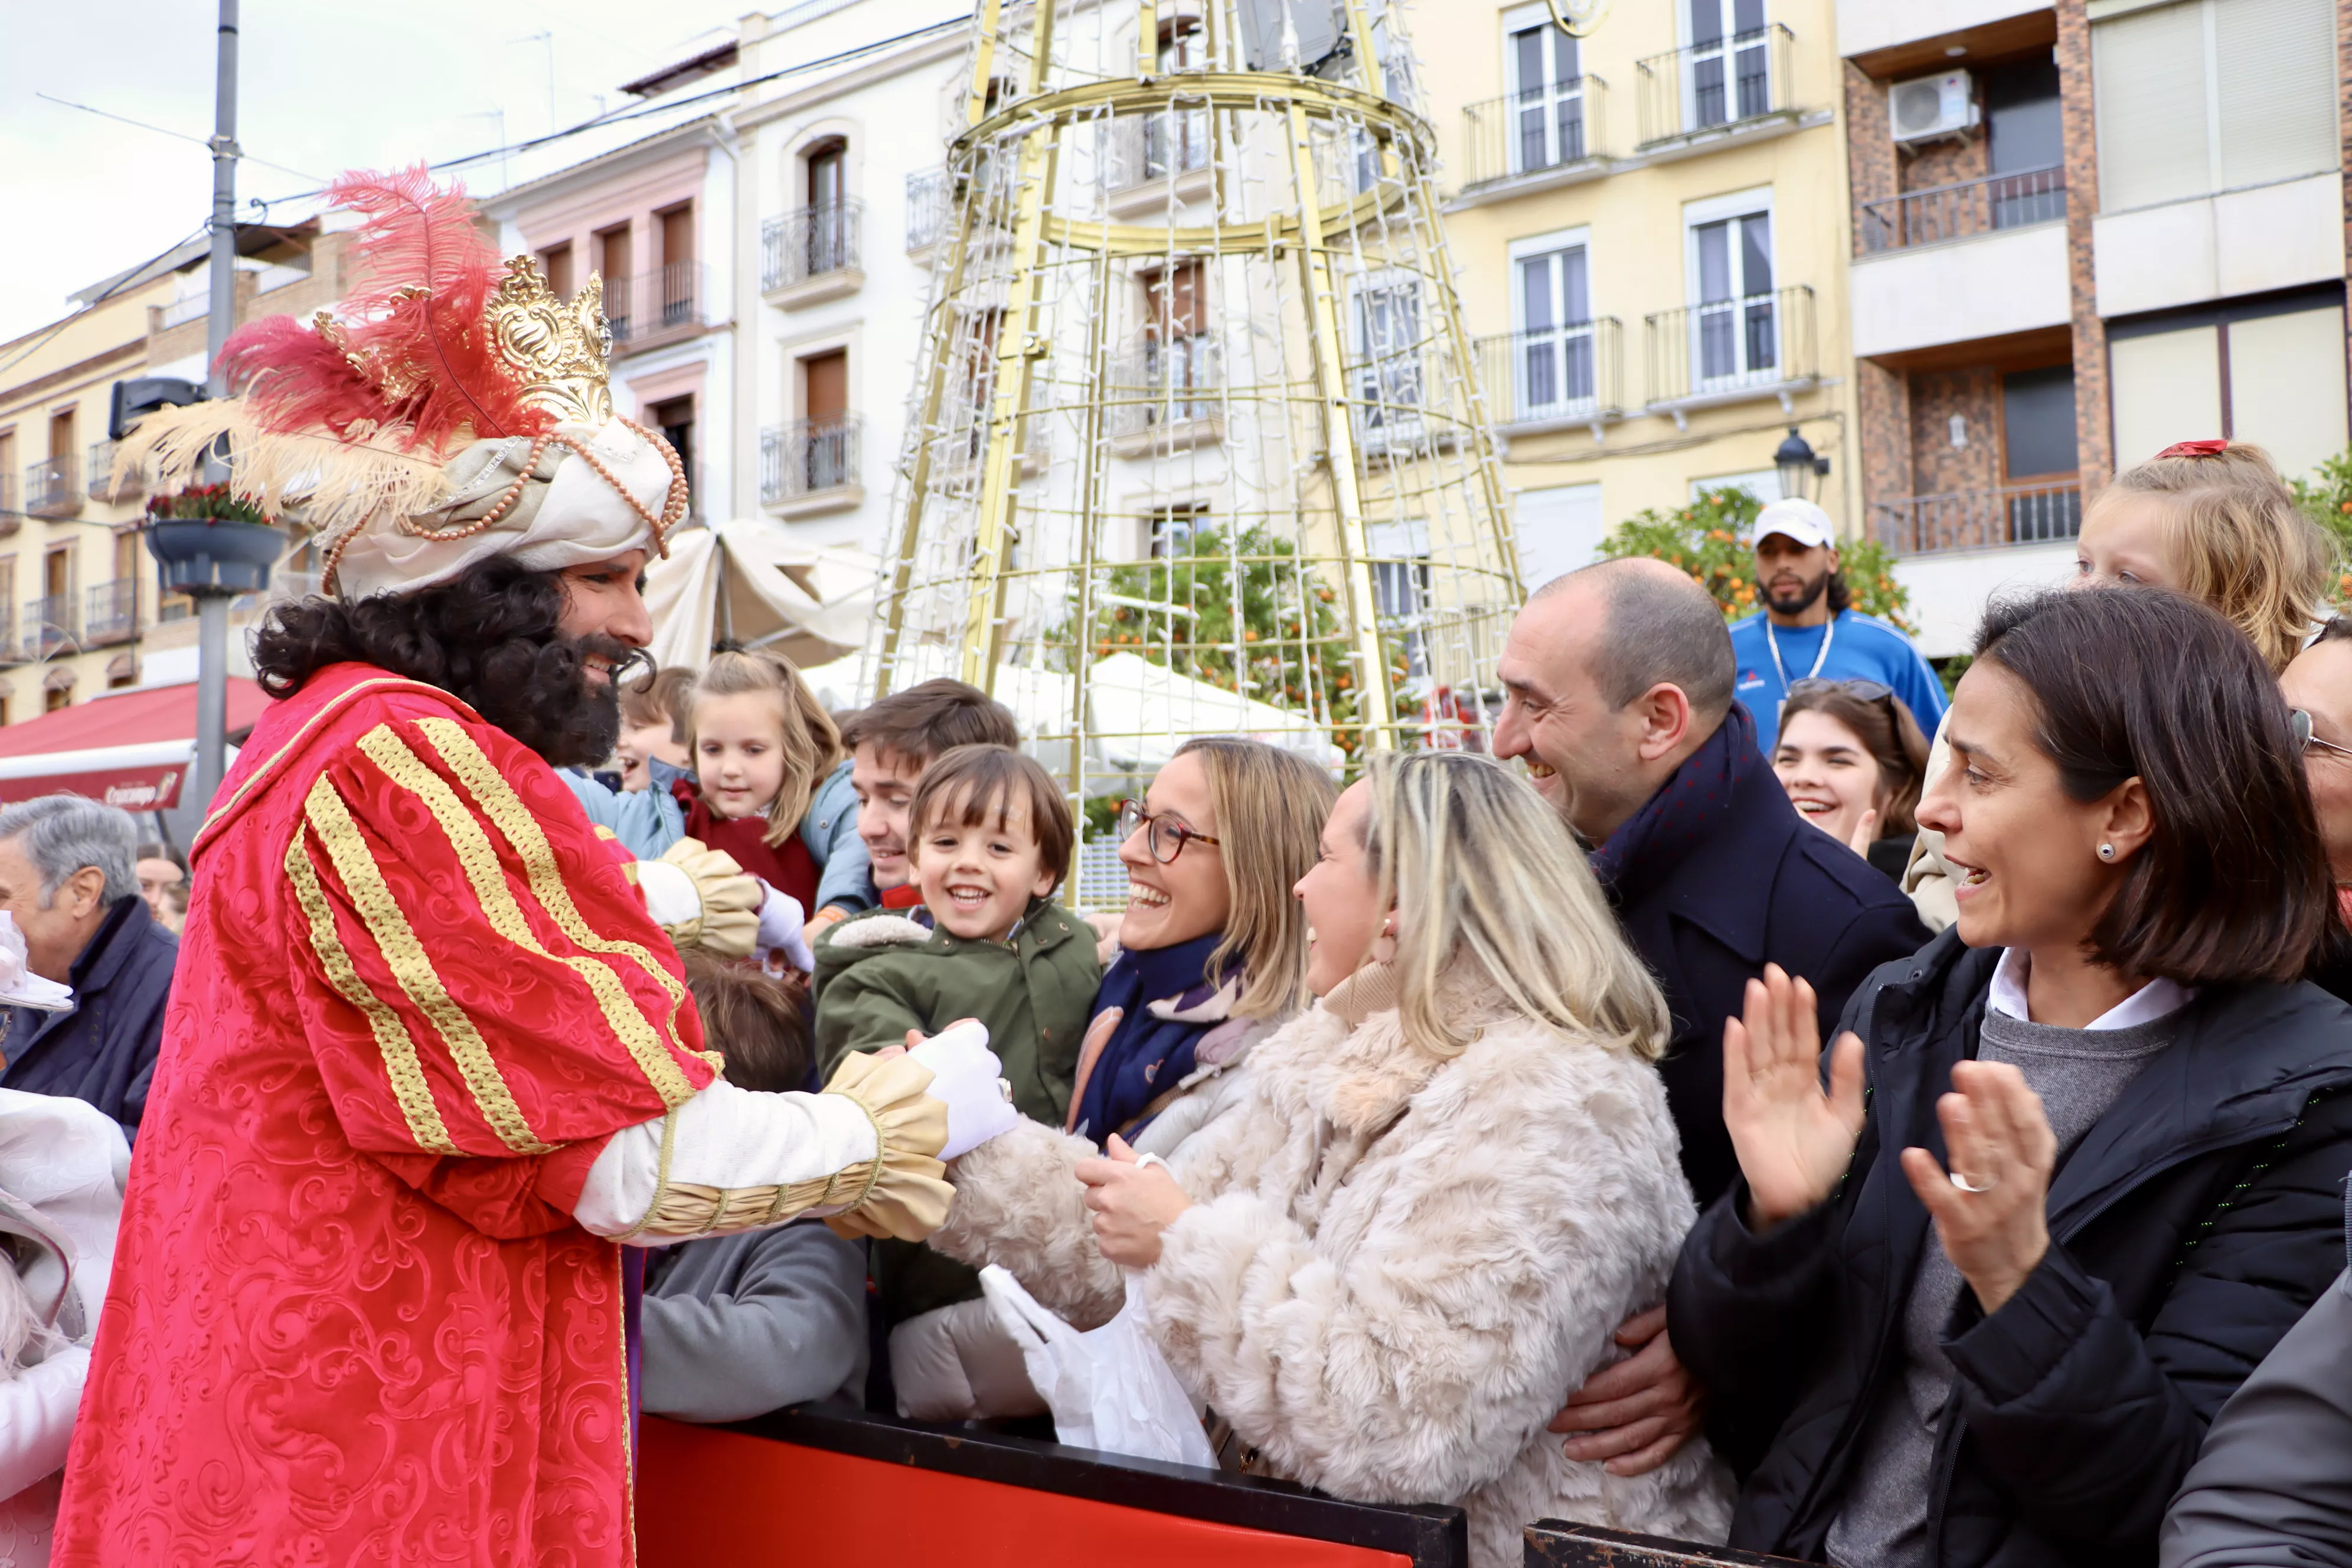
x: 430, y: 1068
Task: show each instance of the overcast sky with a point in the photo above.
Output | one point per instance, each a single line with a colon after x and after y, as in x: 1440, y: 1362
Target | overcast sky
x: 324, y: 86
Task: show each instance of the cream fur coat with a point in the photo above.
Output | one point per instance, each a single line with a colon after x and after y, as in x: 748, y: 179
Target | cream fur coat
x: 1395, y: 1268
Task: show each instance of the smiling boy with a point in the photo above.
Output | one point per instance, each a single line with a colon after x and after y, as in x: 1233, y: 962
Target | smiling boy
x: 890, y: 742
x: 989, y: 837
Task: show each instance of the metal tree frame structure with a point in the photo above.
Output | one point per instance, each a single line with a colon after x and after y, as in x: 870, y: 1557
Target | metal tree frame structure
x: 1197, y: 427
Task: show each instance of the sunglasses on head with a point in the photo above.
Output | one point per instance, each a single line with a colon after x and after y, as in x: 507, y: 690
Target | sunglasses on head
x: 1868, y: 690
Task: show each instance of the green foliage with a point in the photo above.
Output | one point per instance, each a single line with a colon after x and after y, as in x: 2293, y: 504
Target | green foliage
x: 2326, y: 500
x: 1712, y: 540
x: 1274, y: 636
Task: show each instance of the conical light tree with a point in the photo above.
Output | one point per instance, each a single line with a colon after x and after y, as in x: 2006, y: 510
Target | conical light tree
x: 1196, y: 419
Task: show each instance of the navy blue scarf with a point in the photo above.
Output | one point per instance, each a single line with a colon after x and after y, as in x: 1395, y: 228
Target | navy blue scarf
x: 1147, y: 1056
x: 1670, y: 822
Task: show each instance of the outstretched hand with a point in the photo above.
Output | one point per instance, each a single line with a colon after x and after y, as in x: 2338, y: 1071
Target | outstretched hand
x: 1995, y: 1228
x: 1794, y: 1142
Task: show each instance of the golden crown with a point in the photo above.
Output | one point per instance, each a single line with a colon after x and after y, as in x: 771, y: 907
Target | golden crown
x: 556, y: 347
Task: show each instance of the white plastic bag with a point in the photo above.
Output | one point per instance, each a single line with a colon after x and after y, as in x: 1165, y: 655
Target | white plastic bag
x: 1110, y: 1388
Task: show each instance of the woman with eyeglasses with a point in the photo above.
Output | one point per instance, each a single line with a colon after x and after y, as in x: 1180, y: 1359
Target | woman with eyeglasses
x: 2074, y: 1167
x: 1852, y: 758
x: 1212, y: 953
x: 1444, y: 1187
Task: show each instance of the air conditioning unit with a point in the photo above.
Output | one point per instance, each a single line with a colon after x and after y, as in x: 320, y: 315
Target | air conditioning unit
x: 1930, y: 106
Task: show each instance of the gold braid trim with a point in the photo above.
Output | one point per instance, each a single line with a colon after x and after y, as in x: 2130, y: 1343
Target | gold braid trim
x: 397, y: 1045
x: 480, y: 860
x: 905, y: 1194
x: 506, y: 810
x: 661, y: 1178
x: 413, y: 967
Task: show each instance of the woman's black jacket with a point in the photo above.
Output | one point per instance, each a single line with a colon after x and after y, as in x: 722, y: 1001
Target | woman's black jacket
x: 2189, y: 1228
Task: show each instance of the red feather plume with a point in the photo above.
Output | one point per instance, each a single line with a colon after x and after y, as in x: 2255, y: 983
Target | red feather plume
x: 416, y: 352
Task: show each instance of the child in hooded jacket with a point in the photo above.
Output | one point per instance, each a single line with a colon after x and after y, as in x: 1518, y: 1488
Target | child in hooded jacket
x: 989, y: 842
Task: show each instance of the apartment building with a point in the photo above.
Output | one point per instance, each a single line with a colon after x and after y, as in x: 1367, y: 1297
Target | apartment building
x: 2081, y: 232
x: 843, y: 204
x: 80, y: 611
x: 1648, y: 227
x: 652, y: 215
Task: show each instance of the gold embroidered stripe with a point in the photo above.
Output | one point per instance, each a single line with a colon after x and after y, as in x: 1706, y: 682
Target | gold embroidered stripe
x: 409, y: 1085
x: 500, y: 802
x: 476, y: 853
x: 331, y: 821
x: 328, y: 710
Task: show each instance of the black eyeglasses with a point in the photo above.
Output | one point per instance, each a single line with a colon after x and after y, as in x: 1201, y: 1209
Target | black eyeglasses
x: 1868, y: 690
x: 2304, y: 740
x: 1166, y: 836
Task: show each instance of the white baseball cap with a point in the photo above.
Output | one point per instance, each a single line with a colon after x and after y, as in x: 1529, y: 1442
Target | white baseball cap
x: 1798, y: 519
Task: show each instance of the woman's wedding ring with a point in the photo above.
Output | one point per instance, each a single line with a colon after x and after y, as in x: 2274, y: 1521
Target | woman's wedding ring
x: 1968, y: 1186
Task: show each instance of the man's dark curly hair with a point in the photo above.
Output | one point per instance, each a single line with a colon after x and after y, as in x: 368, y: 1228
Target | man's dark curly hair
x: 490, y: 637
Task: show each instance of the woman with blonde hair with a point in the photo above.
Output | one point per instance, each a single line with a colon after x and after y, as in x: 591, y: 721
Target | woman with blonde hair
x: 1449, y: 1181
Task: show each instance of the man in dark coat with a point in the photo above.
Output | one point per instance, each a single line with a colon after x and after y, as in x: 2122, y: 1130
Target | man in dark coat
x: 67, y: 880
x: 1618, y: 682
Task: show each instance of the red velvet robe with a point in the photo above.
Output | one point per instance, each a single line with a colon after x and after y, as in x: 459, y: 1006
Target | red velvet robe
x: 352, y: 1320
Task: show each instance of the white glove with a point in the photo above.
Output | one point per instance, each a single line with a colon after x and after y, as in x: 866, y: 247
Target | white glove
x: 780, y: 920
x: 967, y: 1078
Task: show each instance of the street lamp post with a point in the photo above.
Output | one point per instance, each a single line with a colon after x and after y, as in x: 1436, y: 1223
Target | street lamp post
x: 211, y: 607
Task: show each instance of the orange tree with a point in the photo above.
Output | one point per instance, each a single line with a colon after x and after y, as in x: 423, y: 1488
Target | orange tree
x: 1713, y: 541
x: 2327, y: 498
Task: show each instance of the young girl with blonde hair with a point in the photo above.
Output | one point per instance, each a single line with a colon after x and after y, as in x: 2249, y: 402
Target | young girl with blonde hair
x: 770, y: 786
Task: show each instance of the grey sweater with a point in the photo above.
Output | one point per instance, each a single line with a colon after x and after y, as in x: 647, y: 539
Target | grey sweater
x: 737, y: 1326
x: 2078, y: 1073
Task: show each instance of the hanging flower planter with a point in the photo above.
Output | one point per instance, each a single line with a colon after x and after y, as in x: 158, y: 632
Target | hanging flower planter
x: 209, y: 542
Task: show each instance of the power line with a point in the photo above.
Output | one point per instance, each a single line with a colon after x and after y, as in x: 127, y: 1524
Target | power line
x: 117, y: 287
x: 177, y: 135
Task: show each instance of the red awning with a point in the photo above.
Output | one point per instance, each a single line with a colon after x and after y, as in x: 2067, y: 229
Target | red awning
x: 131, y: 749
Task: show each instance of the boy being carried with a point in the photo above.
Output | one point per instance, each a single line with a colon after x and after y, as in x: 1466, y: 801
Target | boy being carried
x: 990, y: 840
x: 890, y: 742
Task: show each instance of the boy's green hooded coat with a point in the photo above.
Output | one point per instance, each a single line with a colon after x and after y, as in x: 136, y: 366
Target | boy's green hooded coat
x: 879, y: 974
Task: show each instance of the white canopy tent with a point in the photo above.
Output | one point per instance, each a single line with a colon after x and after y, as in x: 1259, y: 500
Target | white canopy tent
x: 1138, y: 712
x: 742, y: 580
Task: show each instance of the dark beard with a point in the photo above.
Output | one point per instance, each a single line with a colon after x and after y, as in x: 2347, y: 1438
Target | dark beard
x: 1797, y: 605
x: 490, y: 637
x: 556, y: 709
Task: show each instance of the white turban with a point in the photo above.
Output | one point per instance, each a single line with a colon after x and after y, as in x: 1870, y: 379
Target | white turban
x: 567, y: 513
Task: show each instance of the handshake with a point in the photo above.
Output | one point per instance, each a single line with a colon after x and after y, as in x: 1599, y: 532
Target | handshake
x: 968, y: 1079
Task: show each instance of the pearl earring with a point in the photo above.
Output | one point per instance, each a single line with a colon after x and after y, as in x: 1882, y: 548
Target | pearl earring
x: 2106, y: 851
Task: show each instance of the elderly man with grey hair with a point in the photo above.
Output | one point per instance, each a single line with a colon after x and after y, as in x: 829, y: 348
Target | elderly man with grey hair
x: 67, y: 879
x: 1618, y: 691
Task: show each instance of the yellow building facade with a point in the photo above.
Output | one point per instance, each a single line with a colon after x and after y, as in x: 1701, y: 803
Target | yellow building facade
x: 1650, y: 228
x: 80, y: 611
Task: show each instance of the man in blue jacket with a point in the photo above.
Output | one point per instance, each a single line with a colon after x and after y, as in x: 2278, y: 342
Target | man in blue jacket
x: 1808, y: 628
x: 67, y: 879
x: 1618, y: 692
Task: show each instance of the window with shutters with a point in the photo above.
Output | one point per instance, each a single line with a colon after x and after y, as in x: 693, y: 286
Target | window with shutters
x: 2202, y: 96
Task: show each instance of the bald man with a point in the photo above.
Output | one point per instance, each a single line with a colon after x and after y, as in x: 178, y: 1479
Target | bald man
x: 1618, y: 694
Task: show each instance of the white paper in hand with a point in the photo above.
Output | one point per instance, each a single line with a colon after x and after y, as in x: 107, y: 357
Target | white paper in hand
x: 20, y: 986
x: 1110, y: 1388
x: 969, y: 1081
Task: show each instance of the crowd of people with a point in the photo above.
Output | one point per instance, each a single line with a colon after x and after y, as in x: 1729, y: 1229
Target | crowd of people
x: 1759, y: 1102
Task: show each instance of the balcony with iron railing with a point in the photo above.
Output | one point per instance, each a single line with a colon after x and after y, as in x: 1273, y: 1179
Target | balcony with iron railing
x: 112, y: 614
x: 1159, y: 158
x: 1730, y: 351
x: 655, y: 307
x: 927, y: 208
x: 49, y: 625
x: 54, y: 489
x: 1965, y: 210
x: 1164, y: 396
x: 1535, y: 140
x: 2033, y: 512
x: 1552, y: 377
x: 1701, y: 94
x: 811, y: 466
x: 100, y: 471
x: 811, y: 255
